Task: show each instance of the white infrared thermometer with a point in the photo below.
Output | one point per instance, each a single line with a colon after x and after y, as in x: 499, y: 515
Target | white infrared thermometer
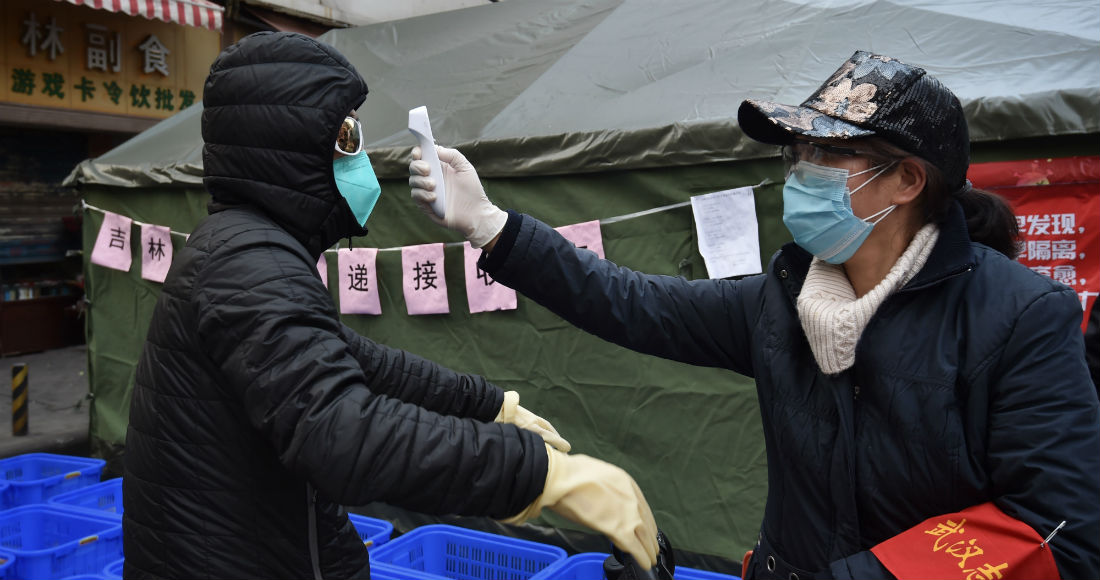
x: 422, y: 130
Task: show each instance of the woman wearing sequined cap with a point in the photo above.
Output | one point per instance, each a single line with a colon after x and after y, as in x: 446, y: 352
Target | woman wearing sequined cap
x: 926, y: 405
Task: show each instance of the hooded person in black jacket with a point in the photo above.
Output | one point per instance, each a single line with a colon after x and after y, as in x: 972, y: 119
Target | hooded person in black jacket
x: 256, y: 414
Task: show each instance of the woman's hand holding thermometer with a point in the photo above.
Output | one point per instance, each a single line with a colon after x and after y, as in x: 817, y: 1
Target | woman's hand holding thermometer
x: 446, y: 187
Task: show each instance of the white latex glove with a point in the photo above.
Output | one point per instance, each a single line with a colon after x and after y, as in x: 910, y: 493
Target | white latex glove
x: 468, y: 210
x: 512, y: 412
x: 601, y: 496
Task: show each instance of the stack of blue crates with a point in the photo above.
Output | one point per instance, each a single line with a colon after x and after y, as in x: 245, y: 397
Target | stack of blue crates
x: 41, y: 540
x: 59, y: 521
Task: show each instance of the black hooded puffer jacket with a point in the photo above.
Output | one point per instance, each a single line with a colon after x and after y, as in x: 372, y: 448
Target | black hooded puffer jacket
x: 255, y: 412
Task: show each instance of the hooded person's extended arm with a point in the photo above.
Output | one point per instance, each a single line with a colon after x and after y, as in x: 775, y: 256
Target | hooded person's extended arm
x: 413, y: 379
x: 285, y: 360
x: 279, y: 347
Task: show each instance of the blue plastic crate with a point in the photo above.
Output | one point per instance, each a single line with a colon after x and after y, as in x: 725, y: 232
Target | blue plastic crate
x: 374, y: 531
x: 7, y: 560
x: 383, y: 571
x: 49, y: 542
x: 589, y: 566
x: 104, y: 498
x: 113, y: 571
x: 462, y: 554
x: 36, y: 477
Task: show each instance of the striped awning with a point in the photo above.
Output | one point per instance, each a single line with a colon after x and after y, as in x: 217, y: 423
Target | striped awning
x: 201, y: 13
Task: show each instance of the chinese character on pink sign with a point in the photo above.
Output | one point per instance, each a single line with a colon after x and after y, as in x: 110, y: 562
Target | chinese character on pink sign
x: 358, y: 281
x: 112, y: 245
x: 156, y: 252
x: 422, y: 279
x: 322, y: 269
x: 482, y: 292
x: 584, y: 235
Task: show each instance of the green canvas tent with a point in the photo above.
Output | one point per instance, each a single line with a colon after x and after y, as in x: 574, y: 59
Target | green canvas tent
x: 619, y: 111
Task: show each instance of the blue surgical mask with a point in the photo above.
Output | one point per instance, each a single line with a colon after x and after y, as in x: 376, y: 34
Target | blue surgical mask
x: 817, y: 209
x: 357, y: 183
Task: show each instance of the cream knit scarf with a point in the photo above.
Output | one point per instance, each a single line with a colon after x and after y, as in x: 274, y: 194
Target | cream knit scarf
x: 831, y: 315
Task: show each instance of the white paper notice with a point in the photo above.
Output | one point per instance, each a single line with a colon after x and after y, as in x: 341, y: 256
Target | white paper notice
x: 729, y: 240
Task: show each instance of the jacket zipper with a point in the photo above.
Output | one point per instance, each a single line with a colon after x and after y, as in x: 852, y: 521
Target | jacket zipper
x: 968, y: 268
x: 311, y: 513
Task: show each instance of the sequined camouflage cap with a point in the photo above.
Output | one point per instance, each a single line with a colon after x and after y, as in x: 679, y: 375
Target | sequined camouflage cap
x: 870, y: 95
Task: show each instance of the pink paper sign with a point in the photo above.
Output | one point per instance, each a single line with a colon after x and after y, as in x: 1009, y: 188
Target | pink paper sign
x: 322, y: 269
x: 422, y: 279
x: 112, y: 244
x: 358, y: 281
x: 156, y: 252
x: 482, y: 292
x: 584, y: 235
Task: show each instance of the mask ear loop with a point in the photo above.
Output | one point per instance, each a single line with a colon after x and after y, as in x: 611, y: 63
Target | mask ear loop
x: 881, y: 215
x: 884, y: 168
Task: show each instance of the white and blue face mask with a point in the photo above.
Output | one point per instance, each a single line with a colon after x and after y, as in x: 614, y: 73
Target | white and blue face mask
x: 817, y: 209
x: 357, y: 184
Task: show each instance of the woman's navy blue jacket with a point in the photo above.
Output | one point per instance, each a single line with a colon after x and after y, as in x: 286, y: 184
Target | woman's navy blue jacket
x: 969, y: 386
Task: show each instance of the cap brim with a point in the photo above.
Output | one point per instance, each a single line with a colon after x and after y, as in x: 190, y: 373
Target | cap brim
x: 777, y: 124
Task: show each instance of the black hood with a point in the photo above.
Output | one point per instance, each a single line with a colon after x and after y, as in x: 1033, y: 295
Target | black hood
x: 273, y: 104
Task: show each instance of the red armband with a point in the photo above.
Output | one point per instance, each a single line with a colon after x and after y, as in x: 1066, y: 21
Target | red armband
x: 978, y: 543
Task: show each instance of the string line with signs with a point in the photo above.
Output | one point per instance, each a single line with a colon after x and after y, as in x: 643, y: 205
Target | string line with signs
x: 1052, y: 219
x: 603, y: 221
x: 423, y: 284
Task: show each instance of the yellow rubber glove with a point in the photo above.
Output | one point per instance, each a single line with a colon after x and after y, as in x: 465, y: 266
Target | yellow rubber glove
x: 601, y: 496
x: 512, y: 412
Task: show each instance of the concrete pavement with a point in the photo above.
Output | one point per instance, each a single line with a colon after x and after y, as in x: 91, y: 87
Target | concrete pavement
x: 57, y: 403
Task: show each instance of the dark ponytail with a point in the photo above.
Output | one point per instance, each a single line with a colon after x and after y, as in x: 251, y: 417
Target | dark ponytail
x: 989, y: 218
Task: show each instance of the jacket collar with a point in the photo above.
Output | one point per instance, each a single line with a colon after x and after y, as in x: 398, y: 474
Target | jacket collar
x: 952, y: 253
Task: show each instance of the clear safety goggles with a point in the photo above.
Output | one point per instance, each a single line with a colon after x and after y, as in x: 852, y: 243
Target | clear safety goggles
x: 818, y: 154
x: 349, y: 140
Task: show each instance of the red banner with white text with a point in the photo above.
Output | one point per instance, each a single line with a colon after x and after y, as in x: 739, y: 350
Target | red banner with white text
x: 1057, y: 207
